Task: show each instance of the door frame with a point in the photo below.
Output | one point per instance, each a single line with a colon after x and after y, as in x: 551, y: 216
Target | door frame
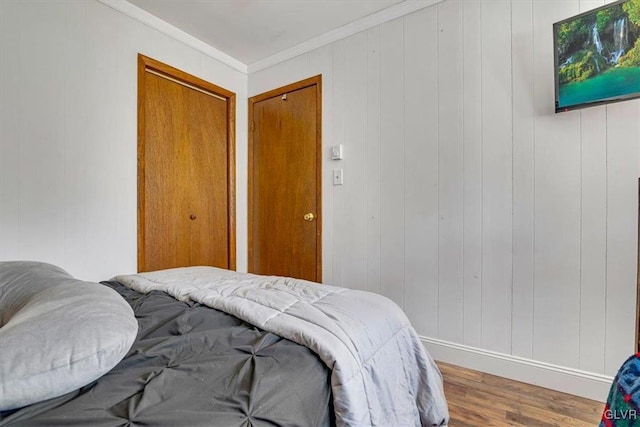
x: 302, y: 84
x: 150, y: 65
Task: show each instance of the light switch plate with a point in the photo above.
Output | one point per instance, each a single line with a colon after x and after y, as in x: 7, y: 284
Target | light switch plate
x: 338, y: 178
x: 336, y: 152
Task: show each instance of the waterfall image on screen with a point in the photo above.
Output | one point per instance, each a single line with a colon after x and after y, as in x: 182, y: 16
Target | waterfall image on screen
x: 597, y: 56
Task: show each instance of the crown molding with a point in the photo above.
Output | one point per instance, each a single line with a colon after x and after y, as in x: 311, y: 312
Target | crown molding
x: 396, y: 11
x: 158, y: 24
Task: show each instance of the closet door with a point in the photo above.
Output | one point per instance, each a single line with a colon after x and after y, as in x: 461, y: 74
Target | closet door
x: 185, y: 176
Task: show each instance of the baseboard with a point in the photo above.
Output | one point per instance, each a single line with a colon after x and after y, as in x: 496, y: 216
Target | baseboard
x: 567, y: 380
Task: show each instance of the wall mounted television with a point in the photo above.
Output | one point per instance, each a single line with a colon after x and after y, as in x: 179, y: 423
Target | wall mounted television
x: 597, y: 56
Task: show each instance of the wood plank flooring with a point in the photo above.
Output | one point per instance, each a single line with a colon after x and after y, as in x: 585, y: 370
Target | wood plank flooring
x: 479, y: 399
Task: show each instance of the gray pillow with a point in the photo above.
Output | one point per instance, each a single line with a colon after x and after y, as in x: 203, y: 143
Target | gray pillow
x: 57, y: 333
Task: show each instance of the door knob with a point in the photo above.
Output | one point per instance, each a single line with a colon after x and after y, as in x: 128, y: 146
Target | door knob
x: 192, y: 217
x: 309, y: 216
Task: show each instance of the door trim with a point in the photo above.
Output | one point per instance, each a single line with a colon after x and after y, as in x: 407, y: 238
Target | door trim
x: 312, y: 81
x: 150, y: 65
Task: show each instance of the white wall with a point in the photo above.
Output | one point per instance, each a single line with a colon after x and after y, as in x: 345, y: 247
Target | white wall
x: 494, y: 222
x: 68, y: 117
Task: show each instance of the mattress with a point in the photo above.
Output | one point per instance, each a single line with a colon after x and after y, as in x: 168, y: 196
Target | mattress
x: 192, y: 365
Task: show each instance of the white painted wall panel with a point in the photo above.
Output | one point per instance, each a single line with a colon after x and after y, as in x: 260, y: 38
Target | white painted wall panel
x: 421, y: 169
x: 593, y: 247
x: 373, y: 150
x: 103, y: 96
x: 76, y: 187
x: 497, y: 181
x: 472, y: 170
x: 523, y: 177
x: 392, y: 168
x: 355, y: 138
x: 450, y: 171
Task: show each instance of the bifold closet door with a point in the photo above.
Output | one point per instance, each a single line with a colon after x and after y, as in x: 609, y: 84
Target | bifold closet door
x: 185, y: 193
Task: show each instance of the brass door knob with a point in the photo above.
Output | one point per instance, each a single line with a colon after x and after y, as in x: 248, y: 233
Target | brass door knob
x: 309, y: 216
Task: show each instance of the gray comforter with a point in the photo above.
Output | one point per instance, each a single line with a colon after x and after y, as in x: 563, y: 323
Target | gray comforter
x: 194, y: 366
x: 381, y: 373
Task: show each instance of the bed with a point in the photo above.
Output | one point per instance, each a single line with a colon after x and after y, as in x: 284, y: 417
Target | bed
x: 205, y: 353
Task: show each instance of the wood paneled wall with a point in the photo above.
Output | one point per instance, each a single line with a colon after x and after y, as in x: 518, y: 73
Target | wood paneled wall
x: 491, y: 220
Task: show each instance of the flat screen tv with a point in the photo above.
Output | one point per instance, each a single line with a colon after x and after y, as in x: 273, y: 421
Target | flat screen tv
x: 597, y: 56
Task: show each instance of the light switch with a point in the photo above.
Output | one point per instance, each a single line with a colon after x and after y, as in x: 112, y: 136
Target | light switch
x: 336, y: 152
x: 338, y: 178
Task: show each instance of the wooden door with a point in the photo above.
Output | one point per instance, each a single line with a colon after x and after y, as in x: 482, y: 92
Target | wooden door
x: 185, y: 170
x: 285, y: 166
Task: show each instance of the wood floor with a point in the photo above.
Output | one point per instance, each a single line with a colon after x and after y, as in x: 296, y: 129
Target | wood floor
x: 479, y: 399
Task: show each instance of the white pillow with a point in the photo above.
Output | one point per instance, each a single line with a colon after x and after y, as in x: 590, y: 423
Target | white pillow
x: 57, y: 333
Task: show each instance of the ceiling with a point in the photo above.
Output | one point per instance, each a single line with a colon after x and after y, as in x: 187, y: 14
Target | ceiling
x: 251, y: 30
